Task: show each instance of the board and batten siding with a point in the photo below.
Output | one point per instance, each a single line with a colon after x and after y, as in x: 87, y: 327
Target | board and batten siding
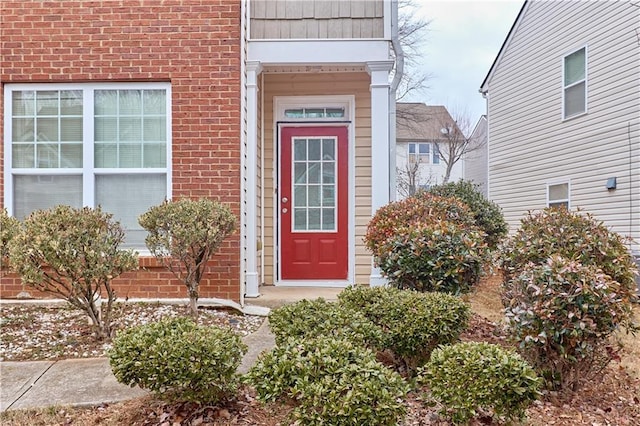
x: 312, y: 19
x: 355, y: 83
x: 531, y: 145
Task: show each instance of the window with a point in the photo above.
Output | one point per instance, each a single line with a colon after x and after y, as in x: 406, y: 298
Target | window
x: 436, y: 154
x: 321, y: 112
x: 558, y: 195
x: 88, y: 144
x: 575, y: 83
x: 419, y: 153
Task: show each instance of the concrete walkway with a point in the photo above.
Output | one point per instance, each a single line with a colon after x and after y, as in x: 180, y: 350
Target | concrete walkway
x: 89, y: 381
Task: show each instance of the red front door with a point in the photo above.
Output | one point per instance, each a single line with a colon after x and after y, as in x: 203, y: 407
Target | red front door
x: 314, y: 203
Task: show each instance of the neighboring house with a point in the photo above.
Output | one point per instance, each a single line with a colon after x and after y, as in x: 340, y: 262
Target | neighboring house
x: 564, y: 113
x: 476, y: 160
x: 419, y: 139
x: 279, y: 109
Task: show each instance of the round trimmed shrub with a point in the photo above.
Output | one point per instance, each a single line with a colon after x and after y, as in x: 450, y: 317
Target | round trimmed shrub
x: 573, y: 235
x: 315, y: 318
x: 413, y: 323
x: 564, y: 316
x: 435, y: 255
x: 470, y: 376
x: 399, y: 216
x: 331, y: 382
x: 178, y: 360
x: 428, y: 243
x: 487, y: 214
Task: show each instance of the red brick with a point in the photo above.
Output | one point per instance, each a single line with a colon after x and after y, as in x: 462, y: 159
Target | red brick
x: 193, y: 44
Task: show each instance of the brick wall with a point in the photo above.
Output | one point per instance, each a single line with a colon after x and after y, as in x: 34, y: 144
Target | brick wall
x: 195, y: 45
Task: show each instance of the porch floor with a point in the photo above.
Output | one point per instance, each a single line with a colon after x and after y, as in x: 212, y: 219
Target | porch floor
x: 276, y: 296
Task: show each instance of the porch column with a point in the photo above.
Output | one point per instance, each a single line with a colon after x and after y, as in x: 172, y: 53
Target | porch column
x: 380, y: 146
x: 253, y: 69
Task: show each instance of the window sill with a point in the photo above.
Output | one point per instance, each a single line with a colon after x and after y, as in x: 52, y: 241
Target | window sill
x: 582, y: 114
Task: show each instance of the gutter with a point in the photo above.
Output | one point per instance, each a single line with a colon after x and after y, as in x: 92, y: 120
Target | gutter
x: 397, y: 77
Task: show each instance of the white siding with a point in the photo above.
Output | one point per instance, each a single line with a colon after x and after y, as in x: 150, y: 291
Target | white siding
x: 530, y: 143
x: 428, y: 174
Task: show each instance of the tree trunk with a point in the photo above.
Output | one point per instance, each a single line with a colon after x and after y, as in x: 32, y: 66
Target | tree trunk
x: 193, y: 300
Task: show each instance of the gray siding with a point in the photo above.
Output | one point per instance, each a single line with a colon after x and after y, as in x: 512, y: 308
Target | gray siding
x: 476, y: 161
x: 530, y: 143
x: 314, y: 19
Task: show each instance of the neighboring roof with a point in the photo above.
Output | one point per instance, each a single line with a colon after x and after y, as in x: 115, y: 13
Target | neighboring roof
x: 481, y: 125
x: 417, y: 121
x: 502, y: 48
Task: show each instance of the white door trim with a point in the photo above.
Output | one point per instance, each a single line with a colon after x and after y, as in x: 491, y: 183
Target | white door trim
x: 279, y: 105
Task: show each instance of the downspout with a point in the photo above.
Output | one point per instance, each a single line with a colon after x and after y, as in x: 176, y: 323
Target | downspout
x: 397, y: 76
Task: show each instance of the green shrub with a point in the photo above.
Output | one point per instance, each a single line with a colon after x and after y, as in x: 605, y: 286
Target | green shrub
x: 564, y: 315
x: 73, y: 253
x: 428, y: 243
x: 400, y: 216
x: 331, y: 381
x: 413, y: 323
x: 469, y: 376
x: 573, y: 235
x: 9, y: 227
x: 184, y: 234
x: 487, y: 215
x: 434, y: 256
x: 178, y: 360
x: 315, y: 318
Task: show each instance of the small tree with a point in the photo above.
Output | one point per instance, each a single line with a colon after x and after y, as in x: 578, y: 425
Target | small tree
x: 73, y: 253
x: 184, y: 234
x: 454, y: 143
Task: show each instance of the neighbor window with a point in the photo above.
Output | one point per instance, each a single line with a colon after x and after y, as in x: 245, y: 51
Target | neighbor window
x: 575, y: 83
x: 558, y: 195
x: 419, y: 153
x: 88, y: 145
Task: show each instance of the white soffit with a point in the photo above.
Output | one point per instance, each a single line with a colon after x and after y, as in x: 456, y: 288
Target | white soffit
x: 292, y: 52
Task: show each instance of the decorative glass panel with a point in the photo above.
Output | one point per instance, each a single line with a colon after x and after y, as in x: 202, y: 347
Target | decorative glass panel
x: 314, y: 191
x: 300, y: 195
x: 314, y: 149
x: 314, y: 219
x: 300, y: 219
x: 300, y: 149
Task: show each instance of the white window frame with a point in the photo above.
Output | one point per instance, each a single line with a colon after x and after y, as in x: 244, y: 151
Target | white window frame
x: 417, y: 157
x: 551, y: 203
x: 585, y: 81
x: 87, y: 171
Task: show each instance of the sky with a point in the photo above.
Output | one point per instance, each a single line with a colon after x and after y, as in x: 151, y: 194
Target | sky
x: 463, y: 39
